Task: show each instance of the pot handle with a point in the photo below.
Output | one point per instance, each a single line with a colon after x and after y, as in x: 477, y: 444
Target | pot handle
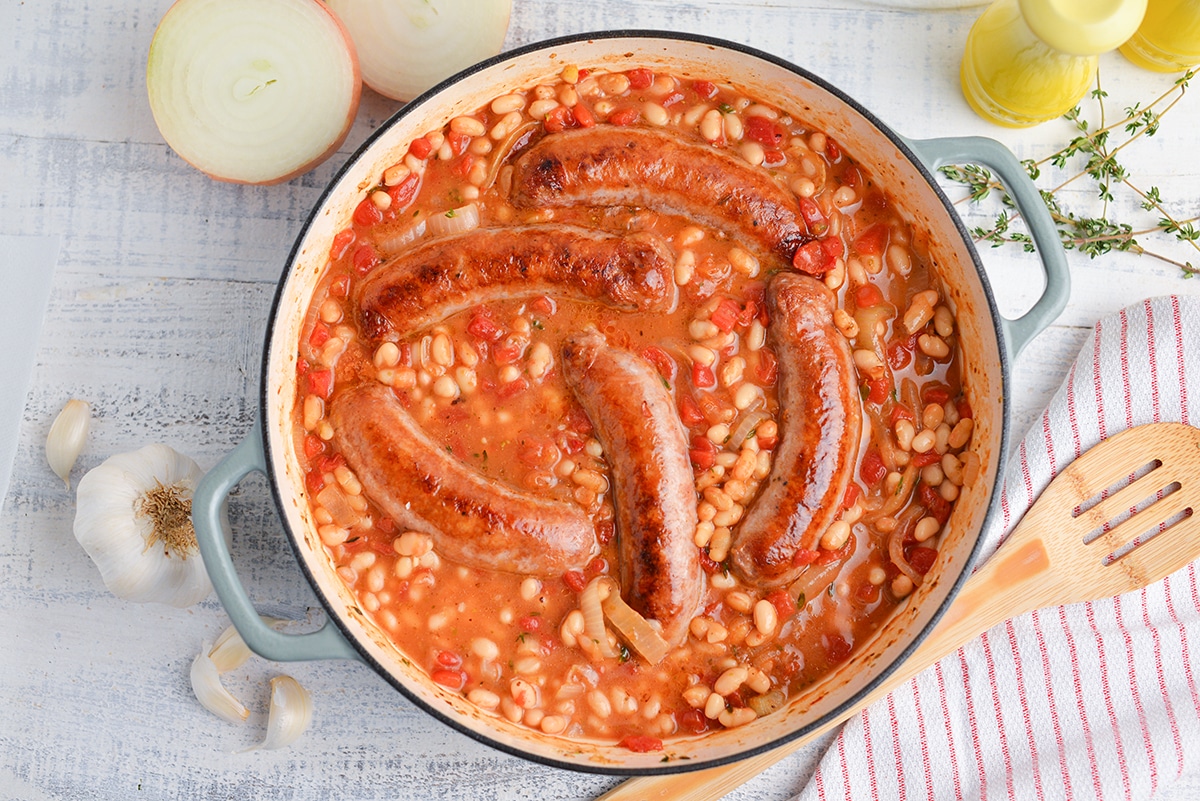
x: 995, y: 156
x: 325, y: 643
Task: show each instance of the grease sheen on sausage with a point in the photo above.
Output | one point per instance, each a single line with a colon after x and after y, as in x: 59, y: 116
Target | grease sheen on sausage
x: 429, y: 283
x: 620, y: 166
x: 473, y: 520
x: 819, y: 432
x: 653, y: 488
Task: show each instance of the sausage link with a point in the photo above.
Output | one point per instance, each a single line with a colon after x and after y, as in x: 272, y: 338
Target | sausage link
x: 653, y: 489
x: 444, y: 276
x: 473, y: 520
x: 617, y: 166
x: 819, y: 433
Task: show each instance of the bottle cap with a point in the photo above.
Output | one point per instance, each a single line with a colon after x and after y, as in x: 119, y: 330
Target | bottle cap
x: 1083, y: 27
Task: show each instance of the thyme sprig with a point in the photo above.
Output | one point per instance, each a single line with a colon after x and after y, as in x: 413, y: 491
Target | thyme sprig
x: 1096, y: 153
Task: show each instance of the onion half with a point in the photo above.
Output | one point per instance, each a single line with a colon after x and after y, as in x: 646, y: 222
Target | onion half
x: 407, y: 46
x: 252, y: 91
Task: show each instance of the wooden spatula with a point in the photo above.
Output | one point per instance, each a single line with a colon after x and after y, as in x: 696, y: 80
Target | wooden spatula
x: 1079, y: 542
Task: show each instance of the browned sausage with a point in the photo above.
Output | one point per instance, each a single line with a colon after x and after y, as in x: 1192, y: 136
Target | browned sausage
x: 473, y: 520
x: 653, y: 488
x: 819, y: 431
x: 444, y: 276
x: 617, y: 166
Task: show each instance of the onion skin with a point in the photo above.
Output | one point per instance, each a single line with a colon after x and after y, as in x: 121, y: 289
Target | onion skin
x: 164, y: 68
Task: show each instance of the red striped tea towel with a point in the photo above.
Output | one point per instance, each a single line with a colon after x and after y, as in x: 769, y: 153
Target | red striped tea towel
x: 1098, y: 700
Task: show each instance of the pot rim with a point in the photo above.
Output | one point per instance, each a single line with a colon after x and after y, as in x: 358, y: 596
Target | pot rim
x: 674, y: 766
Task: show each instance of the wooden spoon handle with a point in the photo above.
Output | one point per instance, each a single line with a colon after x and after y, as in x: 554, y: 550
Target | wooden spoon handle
x: 1001, y: 589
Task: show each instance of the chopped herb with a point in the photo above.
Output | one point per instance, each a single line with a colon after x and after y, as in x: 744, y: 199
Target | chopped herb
x: 625, y: 655
x: 665, y: 383
x: 725, y: 108
x: 537, y: 325
x: 450, y: 214
x: 456, y: 198
x: 801, y: 601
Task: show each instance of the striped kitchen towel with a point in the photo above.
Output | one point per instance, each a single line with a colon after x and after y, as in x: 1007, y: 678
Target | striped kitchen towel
x: 1091, y: 701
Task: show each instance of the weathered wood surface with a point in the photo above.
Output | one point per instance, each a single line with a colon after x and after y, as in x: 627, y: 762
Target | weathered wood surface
x: 156, y: 317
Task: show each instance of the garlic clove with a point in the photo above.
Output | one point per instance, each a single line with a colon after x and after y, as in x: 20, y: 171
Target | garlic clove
x: 230, y: 651
x: 68, y: 433
x: 291, y: 712
x: 212, y: 695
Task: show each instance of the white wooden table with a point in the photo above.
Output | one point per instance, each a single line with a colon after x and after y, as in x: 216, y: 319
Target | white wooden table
x: 156, y: 317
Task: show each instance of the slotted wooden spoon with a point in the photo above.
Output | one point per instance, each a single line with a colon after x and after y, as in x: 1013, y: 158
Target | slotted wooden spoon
x: 1062, y: 552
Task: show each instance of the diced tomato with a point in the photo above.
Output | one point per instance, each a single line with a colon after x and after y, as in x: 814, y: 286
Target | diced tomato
x: 538, y: 452
x: 689, y: 410
x: 597, y: 566
x: 543, y: 305
x: 402, y: 194
x: 332, y: 462
x: 811, y: 258
x: 867, y: 295
x: 568, y: 444
x: 605, y: 531
x: 725, y: 316
x: 935, y: 393
x: 692, y: 721
x: 558, y: 119
x: 641, y: 743
x: 813, y: 216
x: 853, y: 491
x: 453, y: 679
x: 832, y: 151
x: 764, y: 131
x: 421, y: 148
x: 773, y: 158
x: 366, y: 214
x: 964, y: 409
x: 462, y: 165
x: 922, y: 559
x: 825, y: 557
x: 319, y: 336
x: 735, y: 701
x: 662, y: 362
x: 483, y: 327
x: 925, y: 459
x: 458, y: 142
x: 706, y: 89
x: 937, y: 506
x: 766, y: 443
x: 320, y: 382
x: 576, y: 419
x: 506, y: 353
x: 672, y: 99
x: 804, y: 556
x: 900, y: 412
x: 583, y: 115
x: 512, y: 389
x: 872, y: 241
x: 756, y: 293
x: 340, y: 286
x: 702, y: 376
x: 834, y: 248
x: 405, y: 354
x: 767, y: 368
x: 575, y: 580
x: 639, y: 78
x: 707, y: 564
x: 872, y: 470
x: 448, y: 659
x: 385, y: 525
x: 867, y: 592
x: 344, y: 239
x: 879, y: 389
x: 899, y: 354
x: 302, y: 367
x: 852, y: 177
x: 836, y: 648
x: 783, y: 602
x: 624, y: 116
x: 365, y: 259
x: 703, y: 452
x: 530, y: 623
x: 748, y: 314
x: 314, y: 481
x: 314, y: 446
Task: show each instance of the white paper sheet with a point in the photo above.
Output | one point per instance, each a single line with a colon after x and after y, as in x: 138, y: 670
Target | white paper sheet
x: 26, y: 270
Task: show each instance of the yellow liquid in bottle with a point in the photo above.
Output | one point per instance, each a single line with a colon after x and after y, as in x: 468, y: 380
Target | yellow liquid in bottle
x: 1168, y: 39
x: 1011, y: 77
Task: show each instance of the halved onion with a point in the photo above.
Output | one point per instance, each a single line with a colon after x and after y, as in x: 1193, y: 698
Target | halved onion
x: 252, y: 91
x: 407, y: 46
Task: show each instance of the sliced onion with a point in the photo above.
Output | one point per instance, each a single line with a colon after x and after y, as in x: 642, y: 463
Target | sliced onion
x: 813, y: 581
x: 746, y: 426
x: 454, y: 222
x: 896, y: 544
x: 593, y: 616
x: 632, y: 627
x: 252, y: 91
x: 897, y: 500
x: 333, y: 500
x: 394, y: 240
x: 768, y: 702
x: 407, y: 46
x: 517, y: 139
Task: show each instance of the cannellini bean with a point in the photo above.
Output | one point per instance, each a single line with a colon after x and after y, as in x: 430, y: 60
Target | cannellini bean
x: 507, y: 103
x: 961, y: 433
x: 836, y: 535
x: 732, y: 718
x: 467, y: 126
x: 905, y: 431
x: 933, y: 346
x: 712, y: 126
x: 943, y: 321
x: 924, y: 441
x: 731, y: 679
x: 766, y: 617
x: 925, y: 529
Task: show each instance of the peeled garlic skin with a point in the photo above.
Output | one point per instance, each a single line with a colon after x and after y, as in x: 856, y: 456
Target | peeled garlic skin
x: 109, y: 527
x: 66, y: 438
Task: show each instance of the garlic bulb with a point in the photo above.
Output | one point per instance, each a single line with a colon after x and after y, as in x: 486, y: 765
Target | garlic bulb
x: 67, y: 435
x: 134, y: 518
x: 291, y: 712
x: 212, y: 695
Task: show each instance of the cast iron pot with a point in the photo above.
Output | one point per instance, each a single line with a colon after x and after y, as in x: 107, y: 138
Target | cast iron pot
x: 902, y: 166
